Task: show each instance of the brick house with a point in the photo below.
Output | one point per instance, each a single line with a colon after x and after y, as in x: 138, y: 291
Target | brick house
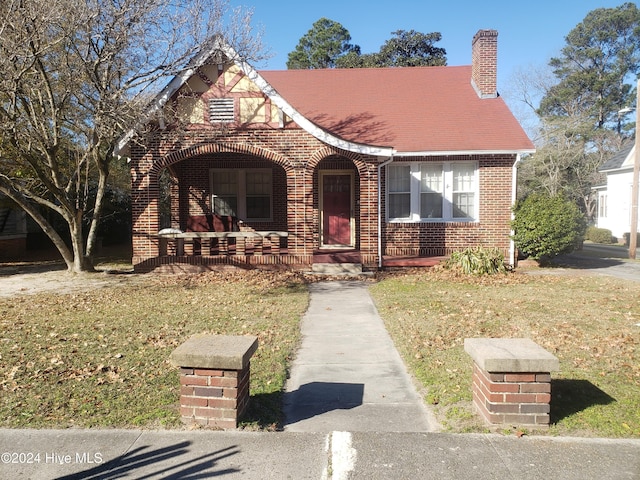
x: 13, y: 230
x: 286, y: 168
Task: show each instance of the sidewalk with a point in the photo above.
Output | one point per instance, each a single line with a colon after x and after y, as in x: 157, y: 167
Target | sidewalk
x: 181, y: 454
x: 351, y: 413
x: 347, y: 374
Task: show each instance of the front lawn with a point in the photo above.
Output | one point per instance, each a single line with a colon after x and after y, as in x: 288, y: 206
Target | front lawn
x: 101, y: 358
x: 589, y: 322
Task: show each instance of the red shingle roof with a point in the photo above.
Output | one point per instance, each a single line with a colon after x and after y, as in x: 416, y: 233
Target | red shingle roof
x: 416, y: 109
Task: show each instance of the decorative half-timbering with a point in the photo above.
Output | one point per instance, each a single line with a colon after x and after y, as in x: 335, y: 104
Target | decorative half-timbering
x: 277, y: 168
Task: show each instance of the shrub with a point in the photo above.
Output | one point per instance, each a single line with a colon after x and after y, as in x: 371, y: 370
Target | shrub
x: 478, y: 261
x: 599, y: 235
x: 547, y: 226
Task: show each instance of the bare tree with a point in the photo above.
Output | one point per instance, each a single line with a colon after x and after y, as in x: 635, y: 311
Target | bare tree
x: 75, y: 74
x: 569, y: 149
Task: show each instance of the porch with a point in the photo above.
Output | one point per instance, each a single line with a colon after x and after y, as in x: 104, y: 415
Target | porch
x: 196, y: 251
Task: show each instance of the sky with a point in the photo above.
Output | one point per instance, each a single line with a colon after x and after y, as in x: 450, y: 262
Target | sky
x: 529, y: 32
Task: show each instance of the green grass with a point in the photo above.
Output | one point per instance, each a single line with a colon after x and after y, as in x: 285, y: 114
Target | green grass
x: 588, y: 322
x: 101, y: 358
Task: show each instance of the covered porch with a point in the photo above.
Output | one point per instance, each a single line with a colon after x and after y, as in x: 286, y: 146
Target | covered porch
x: 220, y: 206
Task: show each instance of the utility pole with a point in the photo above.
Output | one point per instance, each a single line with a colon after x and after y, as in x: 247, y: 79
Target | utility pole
x: 633, y: 235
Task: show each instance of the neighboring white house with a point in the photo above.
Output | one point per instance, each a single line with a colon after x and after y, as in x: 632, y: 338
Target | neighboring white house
x: 614, y: 198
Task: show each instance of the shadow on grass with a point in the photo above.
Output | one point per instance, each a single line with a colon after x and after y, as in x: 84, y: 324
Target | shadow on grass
x: 264, y: 411
x: 569, y: 397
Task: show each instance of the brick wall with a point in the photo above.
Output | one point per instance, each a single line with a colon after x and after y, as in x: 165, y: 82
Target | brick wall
x: 443, y: 238
x: 296, y: 157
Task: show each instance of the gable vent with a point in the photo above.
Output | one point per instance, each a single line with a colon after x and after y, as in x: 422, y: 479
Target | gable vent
x: 221, y: 110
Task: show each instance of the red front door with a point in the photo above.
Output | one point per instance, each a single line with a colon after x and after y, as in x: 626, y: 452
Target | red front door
x: 336, y: 204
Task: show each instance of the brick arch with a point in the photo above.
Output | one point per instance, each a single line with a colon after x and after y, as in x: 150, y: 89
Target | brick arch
x: 328, y: 151
x: 211, y: 148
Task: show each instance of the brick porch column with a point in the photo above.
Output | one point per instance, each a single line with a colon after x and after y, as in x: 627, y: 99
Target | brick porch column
x: 214, y: 378
x: 511, y: 380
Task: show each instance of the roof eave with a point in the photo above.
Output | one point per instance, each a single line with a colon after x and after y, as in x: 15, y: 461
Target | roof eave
x: 434, y: 153
x: 172, y: 87
x: 625, y: 168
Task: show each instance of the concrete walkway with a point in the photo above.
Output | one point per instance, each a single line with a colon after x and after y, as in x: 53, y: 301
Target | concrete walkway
x: 347, y: 374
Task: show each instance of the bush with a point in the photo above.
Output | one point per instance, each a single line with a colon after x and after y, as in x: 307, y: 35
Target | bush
x: 547, y: 226
x: 478, y: 261
x: 599, y: 235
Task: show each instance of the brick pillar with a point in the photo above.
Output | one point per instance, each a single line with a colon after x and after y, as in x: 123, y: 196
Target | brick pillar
x: 214, y: 379
x: 512, y: 398
x: 511, y: 380
x: 213, y: 398
x: 145, y: 194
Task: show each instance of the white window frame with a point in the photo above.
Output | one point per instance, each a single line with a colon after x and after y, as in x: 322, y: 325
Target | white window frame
x: 241, y: 191
x: 602, y: 205
x: 415, y: 185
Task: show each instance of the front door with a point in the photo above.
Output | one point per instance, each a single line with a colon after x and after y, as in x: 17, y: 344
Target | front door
x: 336, y: 209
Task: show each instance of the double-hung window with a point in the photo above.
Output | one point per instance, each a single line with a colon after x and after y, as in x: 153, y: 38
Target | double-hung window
x: 399, y: 199
x: 430, y: 191
x: 463, y: 192
x: 246, y: 194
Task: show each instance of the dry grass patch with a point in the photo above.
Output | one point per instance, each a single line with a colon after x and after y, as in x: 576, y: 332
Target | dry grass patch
x: 589, y: 322
x: 100, y: 358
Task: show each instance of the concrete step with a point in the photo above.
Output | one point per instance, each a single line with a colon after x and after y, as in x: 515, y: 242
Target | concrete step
x: 337, y: 268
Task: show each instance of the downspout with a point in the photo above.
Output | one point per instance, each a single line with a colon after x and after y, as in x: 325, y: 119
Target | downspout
x: 514, y: 189
x: 384, y: 164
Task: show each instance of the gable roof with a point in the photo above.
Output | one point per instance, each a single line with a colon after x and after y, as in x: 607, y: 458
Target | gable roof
x: 414, y: 110
x: 619, y: 159
x: 378, y: 111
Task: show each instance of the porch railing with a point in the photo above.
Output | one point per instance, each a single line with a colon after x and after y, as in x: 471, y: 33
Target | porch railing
x: 222, y: 243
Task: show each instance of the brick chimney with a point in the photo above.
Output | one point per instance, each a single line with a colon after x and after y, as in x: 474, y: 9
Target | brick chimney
x: 484, y: 63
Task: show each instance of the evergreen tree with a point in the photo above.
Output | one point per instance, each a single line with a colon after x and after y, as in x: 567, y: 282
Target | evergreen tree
x: 404, y: 49
x: 322, y: 46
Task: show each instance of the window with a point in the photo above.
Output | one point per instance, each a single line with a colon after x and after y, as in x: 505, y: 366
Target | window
x: 399, y: 191
x: 225, y: 192
x: 221, y: 110
x: 246, y: 194
x: 432, y: 191
x: 258, y: 188
x: 463, y: 190
x: 602, y: 205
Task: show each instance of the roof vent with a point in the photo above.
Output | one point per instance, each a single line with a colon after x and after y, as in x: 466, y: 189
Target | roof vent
x: 221, y: 110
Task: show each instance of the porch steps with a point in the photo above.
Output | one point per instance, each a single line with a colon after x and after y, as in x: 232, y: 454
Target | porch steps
x: 337, y: 268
